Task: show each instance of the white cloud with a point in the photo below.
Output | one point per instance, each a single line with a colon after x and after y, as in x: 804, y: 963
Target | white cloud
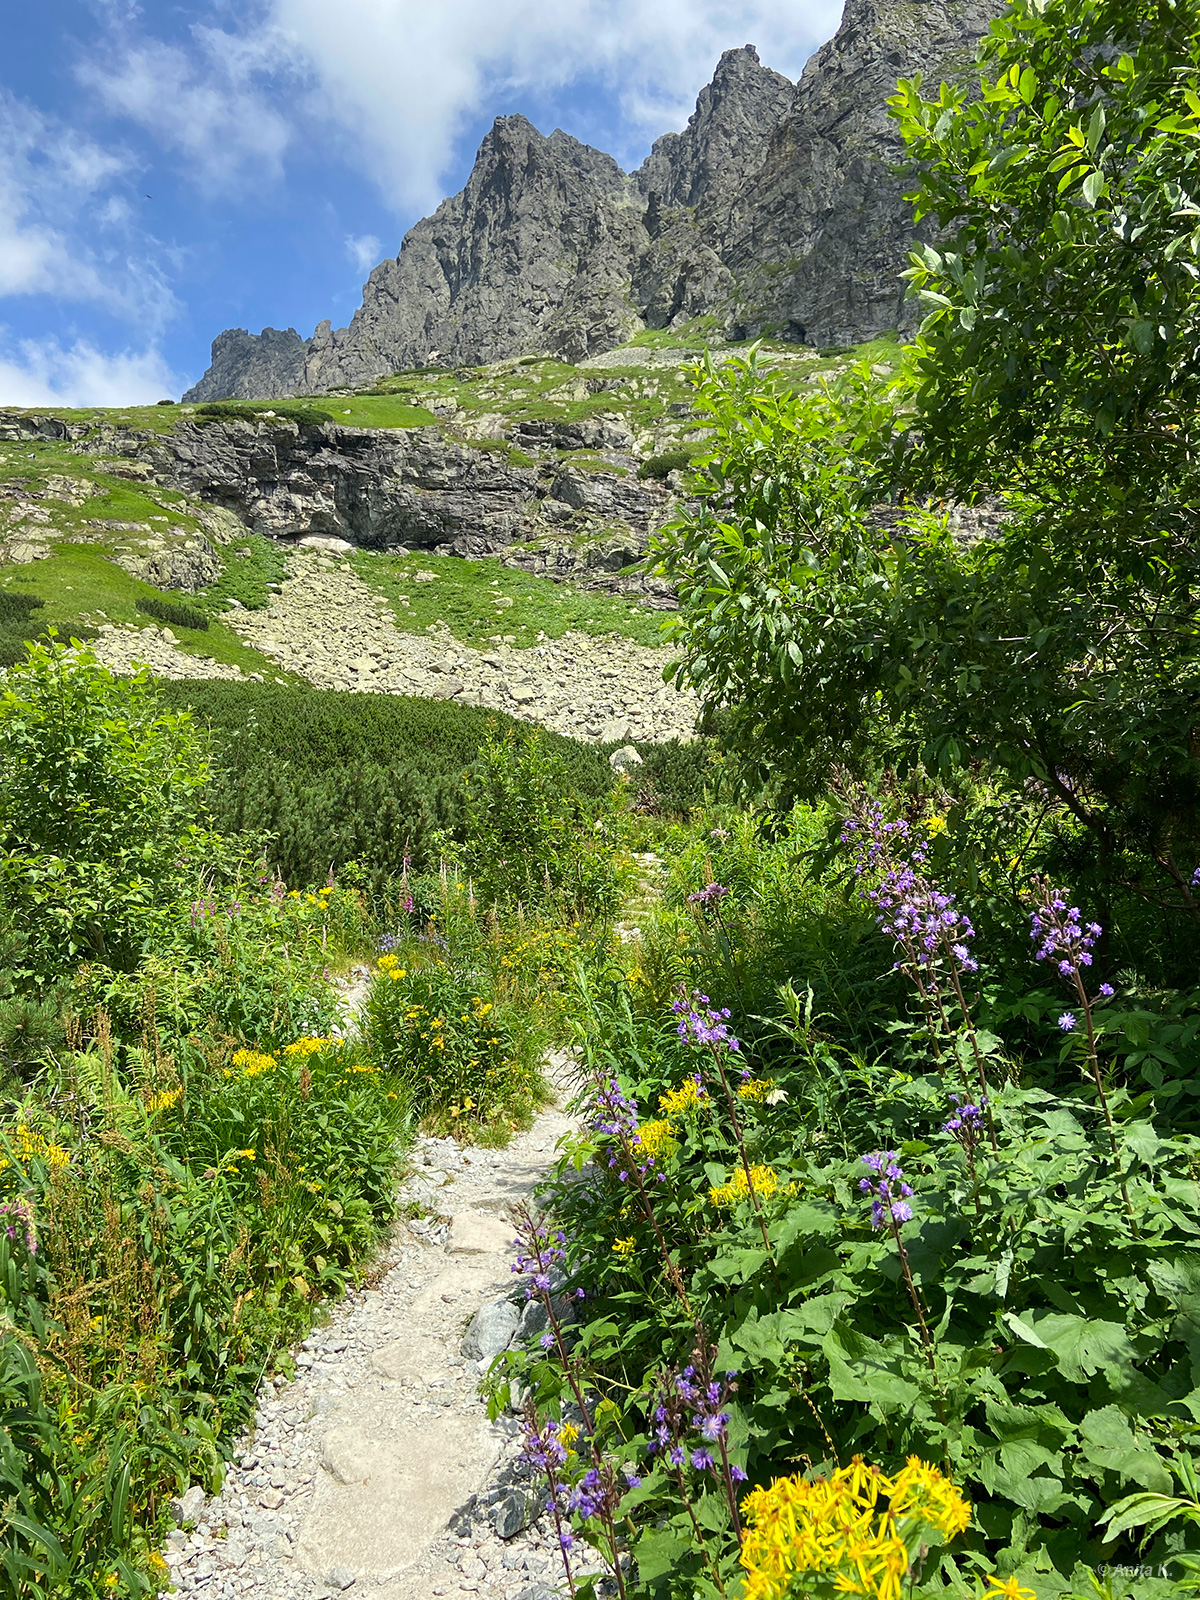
x: 40, y: 372
x: 400, y: 77
x: 364, y: 250
x: 396, y: 81
x: 56, y: 207
x: 209, y: 104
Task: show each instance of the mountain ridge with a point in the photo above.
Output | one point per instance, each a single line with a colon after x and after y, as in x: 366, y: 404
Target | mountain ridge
x: 776, y: 210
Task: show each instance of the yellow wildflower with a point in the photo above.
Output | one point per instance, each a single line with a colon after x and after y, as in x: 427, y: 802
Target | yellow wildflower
x: 755, y: 1089
x: 1006, y: 1589
x: 246, y: 1155
x: 252, y: 1062
x: 165, y: 1100
x: 934, y: 826
x: 308, y: 1046
x: 32, y: 1146
x: 727, y: 1194
x: 657, y: 1139
x: 623, y: 1248
x: 568, y: 1433
x: 833, y: 1529
x: 686, y: 1098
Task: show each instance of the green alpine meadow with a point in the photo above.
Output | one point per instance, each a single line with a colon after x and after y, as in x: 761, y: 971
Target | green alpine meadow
x: 777, y: 875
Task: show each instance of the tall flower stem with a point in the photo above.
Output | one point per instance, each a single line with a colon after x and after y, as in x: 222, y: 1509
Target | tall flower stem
x: 741, y: 1144
x: 701, y: 1541
x: 956, y: 980
x: 674, y: 1276
x: 534, y: 1241
x: 906, y: 1270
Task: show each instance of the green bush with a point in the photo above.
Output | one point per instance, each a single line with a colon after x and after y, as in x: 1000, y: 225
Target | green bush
x: 326, y: 778
x: 661, y: 465
x: 306, y: 416
x: 98, y: 795
x: 469, y: 1055
x: 527, y: 835
x: 175, y: 613
x: 17, y: 608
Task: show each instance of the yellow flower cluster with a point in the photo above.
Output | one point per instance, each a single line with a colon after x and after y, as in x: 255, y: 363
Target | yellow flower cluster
x: 1006, y: 1589
x: 252, y: 1062
x: 727, y: 1194
x: 832, y: 1528
x: 687, y: 1097
x: 755, y: 1089
x: 657, y: 1139
x: 165, y: 1100
x: 622, y: 1248
x: 30, y: 1146
x: 309, y: 1046
x: 391, y: 968
x: 934, y: 826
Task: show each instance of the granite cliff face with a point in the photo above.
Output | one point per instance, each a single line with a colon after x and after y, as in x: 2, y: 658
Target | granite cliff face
x: 775, y: 210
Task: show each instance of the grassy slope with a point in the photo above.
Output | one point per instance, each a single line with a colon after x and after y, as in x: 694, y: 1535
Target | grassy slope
x: 80, y: 584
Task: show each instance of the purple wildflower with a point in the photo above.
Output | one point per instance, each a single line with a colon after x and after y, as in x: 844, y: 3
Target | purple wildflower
x: 889, y: 1190
x: 1107, y: 991
x: 16, y: 1218
x: 921, y: 918
x: 702, y: 1461
x: 1067, y: 1021
x: 700, y: 1023
x: 711, y: 893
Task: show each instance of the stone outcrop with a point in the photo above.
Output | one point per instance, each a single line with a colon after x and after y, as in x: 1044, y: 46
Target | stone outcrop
x: 775, y: 210
x: 386, y: 489
x: 818, y: 235
x: 246, y: 366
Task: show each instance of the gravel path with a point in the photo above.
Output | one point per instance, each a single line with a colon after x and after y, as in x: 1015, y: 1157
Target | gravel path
x: 377, y: 1471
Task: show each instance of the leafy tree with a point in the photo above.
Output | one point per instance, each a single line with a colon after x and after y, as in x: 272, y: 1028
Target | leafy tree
x: 98, y: 802
x: 1058, y: 369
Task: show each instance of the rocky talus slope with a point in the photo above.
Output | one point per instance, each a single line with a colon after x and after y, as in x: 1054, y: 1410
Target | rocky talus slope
x: 328, y: 627
x: 376, y: 1470
x: 777, y: 209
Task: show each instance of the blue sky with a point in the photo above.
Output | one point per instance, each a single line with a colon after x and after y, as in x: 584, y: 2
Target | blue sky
x: 168, y: 170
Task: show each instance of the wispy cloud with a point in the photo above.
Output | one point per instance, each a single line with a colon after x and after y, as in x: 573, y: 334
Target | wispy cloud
x: 63, y: 220
x: 364, y: 250
x: 211, y: 103
x: 37, y: 372
x: 393, y: 83
x: 399, y: 78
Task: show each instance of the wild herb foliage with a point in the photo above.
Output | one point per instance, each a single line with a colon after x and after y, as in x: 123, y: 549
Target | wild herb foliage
x: 934, y: 1249
x: 98, y: 795
x: 190, y: 1158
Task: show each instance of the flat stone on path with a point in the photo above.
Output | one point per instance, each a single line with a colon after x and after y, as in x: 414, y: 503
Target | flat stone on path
x: 473, y: 1234
x: 411, y: 1483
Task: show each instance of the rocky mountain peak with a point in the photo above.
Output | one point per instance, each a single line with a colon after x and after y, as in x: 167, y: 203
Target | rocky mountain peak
x: 725, y: 134
x: 776, y: 210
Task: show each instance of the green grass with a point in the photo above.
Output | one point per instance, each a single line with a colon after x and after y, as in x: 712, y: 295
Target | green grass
x: 245, y: 577
x: 78, y: 582
x: 157, y: 419
x: 462, y: 596
x: 375, y: 411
